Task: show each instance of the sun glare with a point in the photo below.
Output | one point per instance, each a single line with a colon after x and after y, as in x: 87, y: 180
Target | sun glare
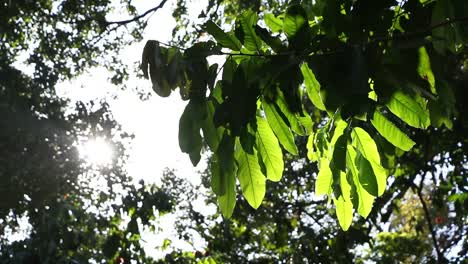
x: 96, y: 151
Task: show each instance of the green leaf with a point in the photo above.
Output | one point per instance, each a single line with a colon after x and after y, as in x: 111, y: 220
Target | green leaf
x: 408, y: 110
x: 227, y: 201
x: 223, y: 174
x: 251, y: 178
x: 312, y: 87
x: 190, y: 140
x: 218, y: 179
x: 368, y: 149
x: 274, y: 23
x: 224, y: 39
x: 367, y: 176
x: 311, y: 152
x: 344, y: 205
x: 270, y: 150
x: 211, y: 134
x: 275, y: 43
x: 248, y: 20
x: 365, y: 199
x: 340, y: 127
x: 324, y: 181
x: 294, y: 20
x: 339, y: 153
x: 295, y: 121
x: 280, y: 128
x: 425, y: 70
x: 391, y: 132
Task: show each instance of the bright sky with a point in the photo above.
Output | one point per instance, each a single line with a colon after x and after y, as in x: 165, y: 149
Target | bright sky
x: 154, y: 122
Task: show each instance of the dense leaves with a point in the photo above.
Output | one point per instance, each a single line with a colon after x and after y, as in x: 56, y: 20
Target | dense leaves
x: 360, y: 72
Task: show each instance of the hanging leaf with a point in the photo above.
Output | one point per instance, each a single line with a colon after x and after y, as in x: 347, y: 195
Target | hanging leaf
x: 274, y: 23
x: 391, y: 132
x: 251, y: 178
x: 425, y: 70
x: 248, y: 20
x: 364, y: 198
x: 270, y: 150
x: 344, y: 205
x: 312, y: 87
x: 368, y: 149
x: 339, y: 153
x: 408, y: 110
x: 211, y: 133
x: 275, y: 43
x: 227, y: 201
x: 224, y: 39
x: 295, y: 121
x: 280, y: 128
x: 367, y: 177
x: 294, y: 20
x: 190, y: 140
x: 324, y: 181
x: 311, y: 152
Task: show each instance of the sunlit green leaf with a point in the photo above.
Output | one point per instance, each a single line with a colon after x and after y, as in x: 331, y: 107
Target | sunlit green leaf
x: 425, y: 70
x: 297, y: 123
x: 227, y: 201
x: 324, y: 181
x: 408, y: 110
x: 312, y: 87
x: 280, y: 128
x: 344, y: 205
x: 391, y: 132
x: 368, y: 149
x: 294, y: 20
x: 311, y: 152
x: 365, y: 199
x: 270, y: 150
x: 274, y: 23
x: 251, y: 178
x: 223, y: 38
x: 248, y: 20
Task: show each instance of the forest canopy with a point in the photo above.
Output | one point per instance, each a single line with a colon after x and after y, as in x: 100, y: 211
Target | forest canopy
x: 314, y: 111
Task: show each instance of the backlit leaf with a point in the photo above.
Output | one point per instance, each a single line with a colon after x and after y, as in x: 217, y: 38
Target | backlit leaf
x: 365, y: 199
x: 391, y: 132
x: 280, y: 128
x: 343, y: 204
x: 324, y: 181
x: 227, y: 201
x: 274, y: 23
x: 224, y: 39
x: 408, y: 110
x: 270, y: 150
x: 425, y: 70
x: 368, y: 149
x: 312, y: 87
x: 251, y: 178
x: 248, y: 20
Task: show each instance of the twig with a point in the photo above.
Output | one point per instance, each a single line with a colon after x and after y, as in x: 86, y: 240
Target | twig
x: 427, y: 215
x: 422, y: 32
x: 123, y: 22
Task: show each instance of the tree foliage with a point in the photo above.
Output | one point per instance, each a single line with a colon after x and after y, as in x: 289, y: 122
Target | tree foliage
x: 374, y: 72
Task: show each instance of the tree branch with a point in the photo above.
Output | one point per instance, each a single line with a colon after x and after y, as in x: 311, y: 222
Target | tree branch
x: 421, y: 32
x: 440, y: 256
x: 123, y: 22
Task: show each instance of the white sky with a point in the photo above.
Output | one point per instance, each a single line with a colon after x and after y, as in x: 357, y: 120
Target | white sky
x: 154, y: 122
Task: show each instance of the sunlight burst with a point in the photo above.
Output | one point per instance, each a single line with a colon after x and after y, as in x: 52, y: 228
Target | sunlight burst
x: 96, y: 151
